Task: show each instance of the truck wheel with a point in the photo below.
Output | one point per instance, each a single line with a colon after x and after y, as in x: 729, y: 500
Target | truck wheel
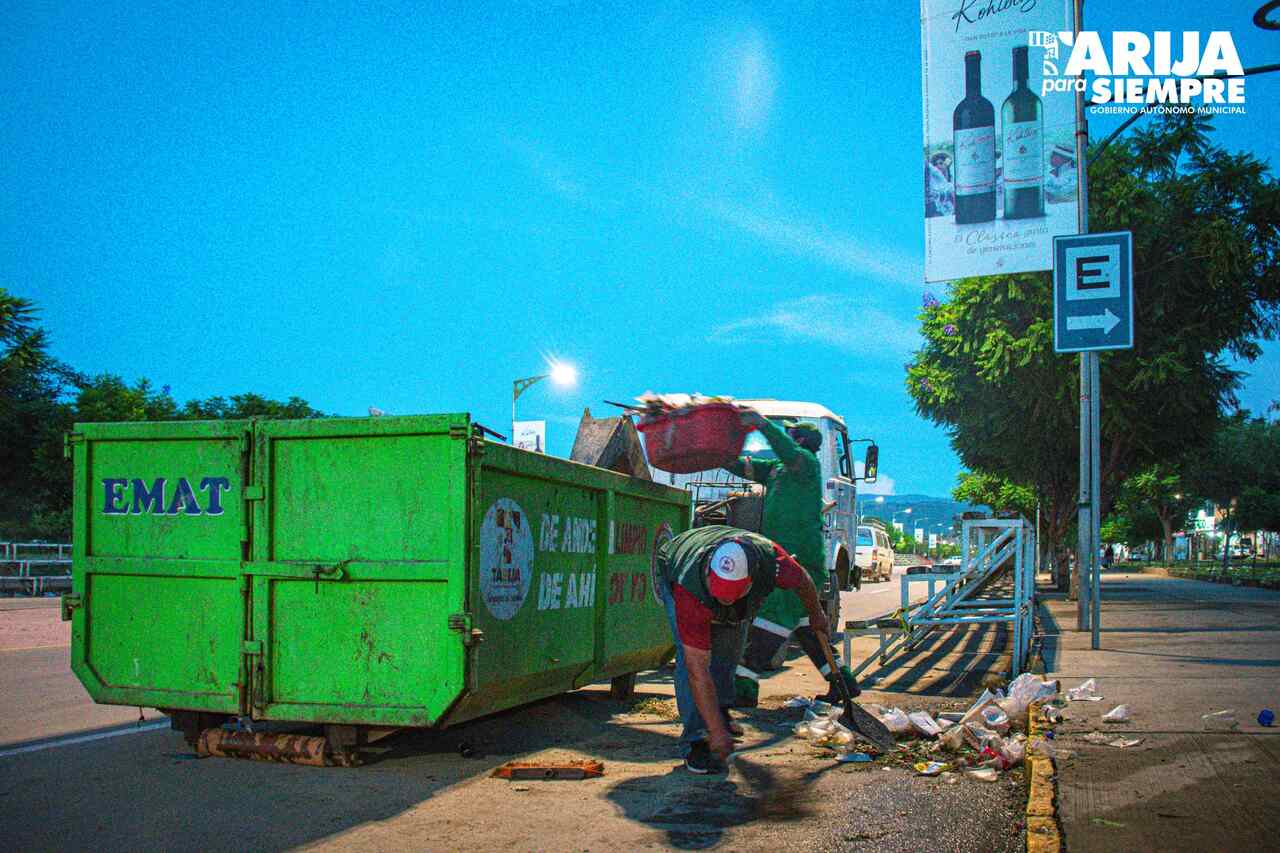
x: 622, y: 687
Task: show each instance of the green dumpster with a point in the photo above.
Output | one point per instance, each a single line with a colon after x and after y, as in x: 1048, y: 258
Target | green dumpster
x: 364, y: 572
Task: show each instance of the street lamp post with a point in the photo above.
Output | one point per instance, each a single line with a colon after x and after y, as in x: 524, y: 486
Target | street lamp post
x: 558, y: 372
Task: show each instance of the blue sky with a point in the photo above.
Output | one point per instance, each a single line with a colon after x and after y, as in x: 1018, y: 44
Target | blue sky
x: 409, y: 206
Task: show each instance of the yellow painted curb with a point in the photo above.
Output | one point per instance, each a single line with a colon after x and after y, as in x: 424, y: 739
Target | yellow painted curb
x: 1043, y: 834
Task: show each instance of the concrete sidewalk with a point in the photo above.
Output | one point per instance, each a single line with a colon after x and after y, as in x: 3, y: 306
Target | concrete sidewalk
x: 1172, y: 650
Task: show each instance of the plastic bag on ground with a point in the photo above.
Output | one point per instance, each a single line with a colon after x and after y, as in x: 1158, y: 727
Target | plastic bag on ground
x: 796, y: 702
x: 896, y: 721
x: 994, y: 718
x: 975, y: 710
x: 924, y: 724
x: 1097, y: 737
x: 1118, y: 714
x: 985, y: 774
x: 1086, y: 692
x: 1125, y: 743
x: 1014, y: 751
x: 1220, y: 720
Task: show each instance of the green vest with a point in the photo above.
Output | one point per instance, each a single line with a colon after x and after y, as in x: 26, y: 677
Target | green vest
x: 683, y: 561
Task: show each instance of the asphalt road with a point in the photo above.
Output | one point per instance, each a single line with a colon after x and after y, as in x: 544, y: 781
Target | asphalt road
x: 74, y: 774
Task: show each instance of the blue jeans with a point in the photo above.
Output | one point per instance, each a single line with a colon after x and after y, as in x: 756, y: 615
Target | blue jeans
x: 727, y: 641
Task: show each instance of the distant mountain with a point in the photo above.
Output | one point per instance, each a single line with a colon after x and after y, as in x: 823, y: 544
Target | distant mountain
x: 934, y: 514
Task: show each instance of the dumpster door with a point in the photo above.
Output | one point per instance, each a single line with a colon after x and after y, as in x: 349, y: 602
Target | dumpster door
x: 358, y: 569
x: 159, y: 524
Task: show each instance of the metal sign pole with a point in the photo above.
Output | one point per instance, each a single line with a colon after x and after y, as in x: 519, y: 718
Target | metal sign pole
x: 1095, y: 497
x: 1086, y: 547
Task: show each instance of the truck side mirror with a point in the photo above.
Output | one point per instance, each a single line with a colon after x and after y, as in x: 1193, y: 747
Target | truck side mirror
x: 871, y: 464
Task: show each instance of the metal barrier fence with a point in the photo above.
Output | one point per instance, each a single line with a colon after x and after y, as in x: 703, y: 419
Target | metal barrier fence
x: 991, y: 549
x: 38, y: 567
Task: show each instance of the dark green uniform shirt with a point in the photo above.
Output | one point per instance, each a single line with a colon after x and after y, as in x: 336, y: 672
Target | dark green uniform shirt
x: 792, y: 498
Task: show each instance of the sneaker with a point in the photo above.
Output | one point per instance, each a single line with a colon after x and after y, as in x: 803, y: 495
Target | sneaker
x: 699, y: 759
x: 734, y: 729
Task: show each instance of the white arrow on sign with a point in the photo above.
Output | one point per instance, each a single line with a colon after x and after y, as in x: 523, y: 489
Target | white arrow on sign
x: 1106, y: 321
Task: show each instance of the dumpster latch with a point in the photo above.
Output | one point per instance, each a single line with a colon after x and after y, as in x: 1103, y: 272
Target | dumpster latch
x: 69, y: 603
x: 461, y: 622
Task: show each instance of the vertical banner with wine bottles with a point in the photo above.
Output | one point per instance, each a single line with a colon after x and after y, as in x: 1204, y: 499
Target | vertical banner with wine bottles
x: 999, y: 160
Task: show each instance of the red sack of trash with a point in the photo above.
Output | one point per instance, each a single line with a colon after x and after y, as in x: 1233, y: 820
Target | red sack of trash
x: 696, y: 437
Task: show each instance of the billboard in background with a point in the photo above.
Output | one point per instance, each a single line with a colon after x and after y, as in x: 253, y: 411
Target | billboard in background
x: 999, y: 160
x: 530, y: 435
x: 920, y: 535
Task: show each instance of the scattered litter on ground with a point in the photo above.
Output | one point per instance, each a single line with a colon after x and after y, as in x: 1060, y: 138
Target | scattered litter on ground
x: 924, y: 724
x: 1097, y: 737
x: 657, y: 707
x: 1266, y: 718
x: 1125, y: 743
x: 852, y: 757
x: 796, y: 702
x: 983, y: 774
x: 949, y: 778
x: 519, y: 787
x: 1102, y: 821
x: 1220, y: 720
x: 995, y: 719
x: 1118, y: 714
x: 1086, y: 692
x: 548, y: 770
x: 896, y: 721
x: 930, y: 768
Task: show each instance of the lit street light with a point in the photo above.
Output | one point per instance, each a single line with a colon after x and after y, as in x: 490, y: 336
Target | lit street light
x: 560, y: 373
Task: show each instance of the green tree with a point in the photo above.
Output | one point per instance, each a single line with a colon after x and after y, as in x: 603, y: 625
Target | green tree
x: 33, y: 414
x: 1240, y: 472
x: 1165, y: 494
x: 996, y: 492
x: 1206, y: 286
x: 239, y: 406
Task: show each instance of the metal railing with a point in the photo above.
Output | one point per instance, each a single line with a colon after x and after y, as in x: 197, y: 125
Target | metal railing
x: 37, y: 567
x: 991, y: 550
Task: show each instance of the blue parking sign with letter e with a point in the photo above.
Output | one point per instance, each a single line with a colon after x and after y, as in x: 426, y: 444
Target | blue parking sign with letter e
x: 1093, y: 292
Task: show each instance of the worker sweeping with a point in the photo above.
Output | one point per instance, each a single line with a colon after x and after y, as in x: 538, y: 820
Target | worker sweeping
x: 793, y: 501
x: 712, y: 580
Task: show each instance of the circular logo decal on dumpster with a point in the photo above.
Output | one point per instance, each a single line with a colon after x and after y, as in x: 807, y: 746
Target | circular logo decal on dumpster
x: 506, y: 558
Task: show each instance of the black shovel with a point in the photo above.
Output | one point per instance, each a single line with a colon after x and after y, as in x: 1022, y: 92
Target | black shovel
x: 856, y: 717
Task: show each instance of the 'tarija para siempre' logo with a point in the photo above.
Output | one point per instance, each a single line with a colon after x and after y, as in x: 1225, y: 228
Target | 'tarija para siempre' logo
x: 1142, y: 69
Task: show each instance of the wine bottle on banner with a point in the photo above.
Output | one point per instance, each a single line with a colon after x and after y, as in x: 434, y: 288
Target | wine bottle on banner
x: 974, y: 124
x: 1022, y: 126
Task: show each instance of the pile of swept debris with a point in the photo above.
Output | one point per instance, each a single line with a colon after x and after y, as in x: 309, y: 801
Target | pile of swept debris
x: 981, y: 742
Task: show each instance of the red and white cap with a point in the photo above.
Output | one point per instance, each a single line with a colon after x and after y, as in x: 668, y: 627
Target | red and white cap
x: 729, y: 574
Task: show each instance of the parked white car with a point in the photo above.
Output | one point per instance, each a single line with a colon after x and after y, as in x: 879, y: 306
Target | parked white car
x: 874, y: 554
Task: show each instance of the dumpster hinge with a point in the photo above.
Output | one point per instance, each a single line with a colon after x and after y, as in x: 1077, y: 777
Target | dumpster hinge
x: 461, y: 622
x: 69, y: 603
x: 69, y: 440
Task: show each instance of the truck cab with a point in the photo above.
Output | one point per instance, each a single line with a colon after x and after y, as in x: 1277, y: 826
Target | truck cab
x: 720, y: 497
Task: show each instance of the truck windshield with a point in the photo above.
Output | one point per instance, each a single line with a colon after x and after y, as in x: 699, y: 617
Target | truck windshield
x: 759, y: 448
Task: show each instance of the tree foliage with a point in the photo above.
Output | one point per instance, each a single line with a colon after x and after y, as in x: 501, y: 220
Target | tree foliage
x: 41, y: 399
x: 996, y: 492
x: 1206, y: 286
